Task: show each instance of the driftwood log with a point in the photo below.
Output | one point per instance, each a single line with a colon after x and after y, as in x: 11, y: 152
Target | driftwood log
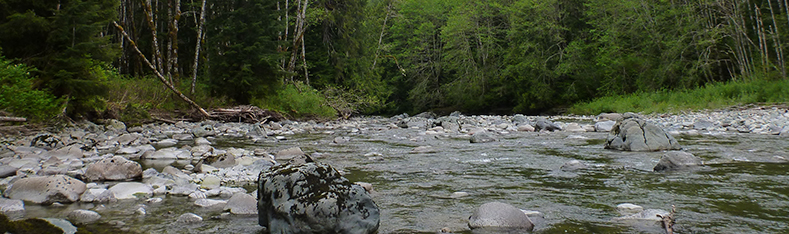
x: 246, y: 114
x: 12, y: 119
x: 668, y: 220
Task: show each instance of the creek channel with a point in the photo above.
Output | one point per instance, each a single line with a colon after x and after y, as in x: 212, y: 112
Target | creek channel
x: 743, y: 187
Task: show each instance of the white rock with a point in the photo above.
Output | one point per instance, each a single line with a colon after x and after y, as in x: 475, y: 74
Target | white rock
x: 83, y: 216
x: 189, y: 218
x: 131, y: 190
x: 628, y: 208
x: 13, y: 208
x: 210, y: 202
x: 211, y: 182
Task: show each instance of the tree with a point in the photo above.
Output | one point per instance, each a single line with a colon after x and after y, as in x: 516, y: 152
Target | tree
x: 65, y: 42
x: 242, y: 46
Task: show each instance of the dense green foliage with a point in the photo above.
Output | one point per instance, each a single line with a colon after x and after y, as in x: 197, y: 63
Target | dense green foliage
x: 326, y: 57
x: 65, y: 42
x: 18, y: 96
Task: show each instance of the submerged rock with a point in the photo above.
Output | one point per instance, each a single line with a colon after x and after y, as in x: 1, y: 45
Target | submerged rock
x: 636, y: 134
x: 482, y: 137
x: 676, y: 160
x: 544, y: 124
x: 313, y: 198
x: 83, y: 216
x: 499, y: 215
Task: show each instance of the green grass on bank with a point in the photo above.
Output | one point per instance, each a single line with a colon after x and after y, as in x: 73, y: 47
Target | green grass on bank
x: 711, y: 96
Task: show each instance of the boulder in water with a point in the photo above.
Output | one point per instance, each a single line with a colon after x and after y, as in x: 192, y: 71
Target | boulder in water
x: 499, y: 215
x: 636, y: 134
x: 676, y: 160
x: 313, y: 198
x: 544, y: 124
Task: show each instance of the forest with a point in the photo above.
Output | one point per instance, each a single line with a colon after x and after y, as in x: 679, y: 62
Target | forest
x: 328, y: 58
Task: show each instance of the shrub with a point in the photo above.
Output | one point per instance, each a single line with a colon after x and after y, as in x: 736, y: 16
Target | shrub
x: 298, y: 100
x: 18, y: 96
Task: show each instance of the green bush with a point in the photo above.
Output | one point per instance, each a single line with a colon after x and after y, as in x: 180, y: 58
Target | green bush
x: 18, y: 97
x: 297, y: 100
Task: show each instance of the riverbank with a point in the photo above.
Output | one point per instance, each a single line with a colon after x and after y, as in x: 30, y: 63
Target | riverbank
x: 424, y: 171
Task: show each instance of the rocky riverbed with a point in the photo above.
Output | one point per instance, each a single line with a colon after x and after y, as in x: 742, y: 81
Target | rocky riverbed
x: 426, y: 173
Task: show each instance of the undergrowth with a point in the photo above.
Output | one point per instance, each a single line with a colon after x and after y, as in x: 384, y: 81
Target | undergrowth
x: 712, y: 96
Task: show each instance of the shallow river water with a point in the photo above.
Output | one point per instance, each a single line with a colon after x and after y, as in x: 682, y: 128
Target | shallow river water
x: 744, y: 187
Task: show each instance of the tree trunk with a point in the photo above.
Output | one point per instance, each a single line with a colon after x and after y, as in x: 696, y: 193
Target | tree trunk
x: 152, y: 25
x: 160, y: 76
x: 197, y: 47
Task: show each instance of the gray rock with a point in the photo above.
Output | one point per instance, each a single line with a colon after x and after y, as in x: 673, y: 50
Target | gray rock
x: 97, y: 195
x: 166, y: 142
x: 13, y: 208
x: 7, y: 170
x: 574, y: 127
x: 242, y: 204
x: 499, y: 215
x: 636, y: 134
x: 166, y: 153
x: 189, y: 218
x: 426, y: 115
x: 544, y: 124
x: 72, y: 151
x: 83, y: 216
x: 482, y: 137
x: 289, y: 153
x: 604, y: 126
x: 520, y: 120
x: 115, y: 168
x: 675, y: 160
x: 207, y: 203
x: 183, y: 137
x: 220, y: 161
x: 313, y: 198
x: 202, y: 141
x: 573, y: 165
x: 46, y: 189
x: 114, y: 125
x: 610, y: 116
x: 203, y: 131
x: 703, y: 125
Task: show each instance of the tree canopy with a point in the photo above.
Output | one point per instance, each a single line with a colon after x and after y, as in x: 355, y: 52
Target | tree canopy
x: 392, y: 56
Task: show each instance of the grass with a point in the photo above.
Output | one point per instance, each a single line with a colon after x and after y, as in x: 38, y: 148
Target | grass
x: 133, y: 98
x: 711, y: 96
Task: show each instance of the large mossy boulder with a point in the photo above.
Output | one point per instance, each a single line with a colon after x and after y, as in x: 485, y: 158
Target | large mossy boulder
x: 636, y: 134
x: 311, y: 197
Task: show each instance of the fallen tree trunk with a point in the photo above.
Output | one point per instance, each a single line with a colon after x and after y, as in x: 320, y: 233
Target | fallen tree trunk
x: 160, y: 76
x: 12, y: 119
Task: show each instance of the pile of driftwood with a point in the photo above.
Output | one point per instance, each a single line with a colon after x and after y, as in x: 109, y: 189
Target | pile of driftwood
x: 246, y: 114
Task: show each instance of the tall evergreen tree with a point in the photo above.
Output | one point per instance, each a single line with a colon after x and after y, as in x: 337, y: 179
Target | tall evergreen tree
x: 66, y: 41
